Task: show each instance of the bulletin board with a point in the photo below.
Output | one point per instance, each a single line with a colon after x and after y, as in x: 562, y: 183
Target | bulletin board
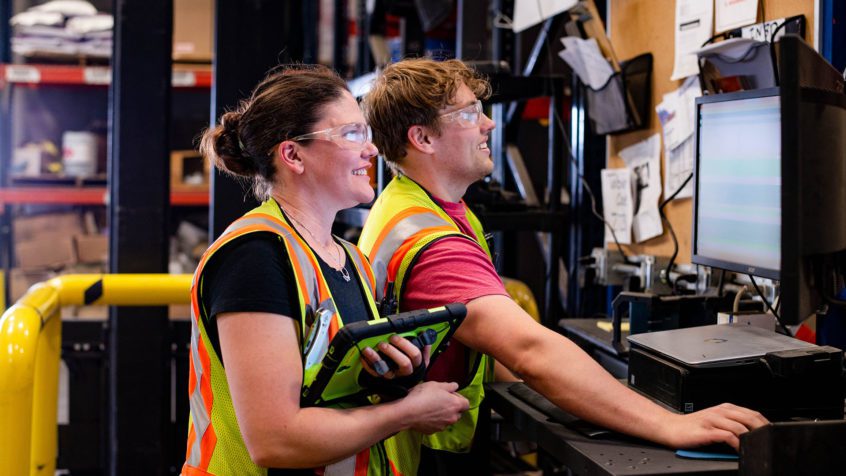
x: 641, y: 26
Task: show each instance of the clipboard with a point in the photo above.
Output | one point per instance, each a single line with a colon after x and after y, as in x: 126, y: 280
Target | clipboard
x: 337, y: 376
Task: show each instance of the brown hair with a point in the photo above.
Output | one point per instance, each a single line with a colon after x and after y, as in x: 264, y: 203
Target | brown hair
x: 412, y: 92
x: 287, y: 103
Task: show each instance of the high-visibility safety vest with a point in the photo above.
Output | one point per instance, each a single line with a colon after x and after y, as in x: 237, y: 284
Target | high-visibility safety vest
x: 403, y: 222
x: 215, y: 443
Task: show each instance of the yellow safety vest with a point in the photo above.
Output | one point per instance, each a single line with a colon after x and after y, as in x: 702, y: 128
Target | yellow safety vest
x: 403, y: 222
x: 215, y: 444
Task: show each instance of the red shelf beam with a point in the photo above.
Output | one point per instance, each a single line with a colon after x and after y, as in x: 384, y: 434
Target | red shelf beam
x: 89, y: 75
x: 85, y: 196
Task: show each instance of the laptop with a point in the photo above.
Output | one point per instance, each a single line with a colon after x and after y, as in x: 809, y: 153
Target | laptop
x: 716, y: 345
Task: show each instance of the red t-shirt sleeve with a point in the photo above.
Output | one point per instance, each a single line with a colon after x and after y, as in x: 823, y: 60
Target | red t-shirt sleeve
x: 450, y: 270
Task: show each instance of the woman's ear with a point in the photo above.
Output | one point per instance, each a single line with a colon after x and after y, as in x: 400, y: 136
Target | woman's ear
x: 420, y: 138
x: 288, y: 155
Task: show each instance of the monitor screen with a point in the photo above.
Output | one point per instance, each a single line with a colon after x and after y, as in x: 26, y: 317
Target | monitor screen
x: 770, y: 182
x: 737, y: 214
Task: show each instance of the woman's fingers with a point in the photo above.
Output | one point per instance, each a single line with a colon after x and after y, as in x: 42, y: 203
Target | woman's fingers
x: 373, y: 364
x: 404, y: 355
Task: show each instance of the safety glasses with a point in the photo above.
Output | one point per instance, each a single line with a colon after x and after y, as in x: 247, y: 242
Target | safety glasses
x: 466, y: 117
x: 352, y: 136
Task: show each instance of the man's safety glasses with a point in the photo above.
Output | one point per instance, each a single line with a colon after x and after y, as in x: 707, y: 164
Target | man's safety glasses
x: 348, y: 136
x: 468, y: 116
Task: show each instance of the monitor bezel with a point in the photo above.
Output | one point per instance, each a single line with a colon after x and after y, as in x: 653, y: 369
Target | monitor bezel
x: 696, y: 257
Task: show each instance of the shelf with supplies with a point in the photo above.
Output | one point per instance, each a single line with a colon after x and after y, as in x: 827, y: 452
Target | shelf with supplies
x: 67, y: 195
x: 54, y: 192
x: 183, y: 76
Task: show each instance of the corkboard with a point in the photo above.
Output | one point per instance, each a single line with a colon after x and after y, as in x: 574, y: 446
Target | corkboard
x: 640, y: 26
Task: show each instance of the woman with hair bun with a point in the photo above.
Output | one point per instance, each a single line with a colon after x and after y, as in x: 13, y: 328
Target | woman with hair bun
x: 273, y: 289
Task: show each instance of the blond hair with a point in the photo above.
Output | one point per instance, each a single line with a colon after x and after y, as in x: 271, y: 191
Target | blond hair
x: 413, y: 92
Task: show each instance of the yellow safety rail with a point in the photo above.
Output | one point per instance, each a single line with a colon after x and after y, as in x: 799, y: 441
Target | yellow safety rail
x: 30, y: 351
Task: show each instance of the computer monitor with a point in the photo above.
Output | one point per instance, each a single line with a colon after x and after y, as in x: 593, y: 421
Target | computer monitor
x: 770, y: 181
x: 737, y: 187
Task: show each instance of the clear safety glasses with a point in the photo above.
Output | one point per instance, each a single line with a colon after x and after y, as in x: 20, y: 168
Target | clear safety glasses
x: 347, y: 136
x: 466, y: 117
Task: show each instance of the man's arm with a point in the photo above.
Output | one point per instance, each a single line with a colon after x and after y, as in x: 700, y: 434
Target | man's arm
x: 558, y: 369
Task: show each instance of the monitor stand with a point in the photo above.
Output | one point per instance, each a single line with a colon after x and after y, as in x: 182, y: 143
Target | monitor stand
x: 649, y: 312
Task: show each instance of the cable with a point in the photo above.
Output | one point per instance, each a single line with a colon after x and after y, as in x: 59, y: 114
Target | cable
x: 722, y: 283
x: 773, y: 56
x: 586, y: 187
x: 736, y: 304
x: 560, y: 122
x: 778, y: 28
x: 767, y: 303
x: 672, y: 231
x: 718, y: 36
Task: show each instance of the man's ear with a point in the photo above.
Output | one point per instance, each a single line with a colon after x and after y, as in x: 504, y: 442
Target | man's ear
x: 287, y: 153
x: 420, y: 138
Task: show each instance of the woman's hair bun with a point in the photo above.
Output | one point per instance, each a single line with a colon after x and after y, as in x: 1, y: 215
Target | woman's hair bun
x: 223, y: 146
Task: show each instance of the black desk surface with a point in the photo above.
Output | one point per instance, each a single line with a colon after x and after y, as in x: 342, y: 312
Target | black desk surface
x: 600, y: 456
x: 589, y: 330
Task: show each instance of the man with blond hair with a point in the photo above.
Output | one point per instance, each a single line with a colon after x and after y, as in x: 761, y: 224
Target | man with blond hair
x: 428, y: 249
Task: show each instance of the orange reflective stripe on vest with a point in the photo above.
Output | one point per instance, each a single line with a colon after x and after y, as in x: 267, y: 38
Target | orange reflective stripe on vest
x: 393, y: 237
x: 403, y: 222
x: 212, y: 422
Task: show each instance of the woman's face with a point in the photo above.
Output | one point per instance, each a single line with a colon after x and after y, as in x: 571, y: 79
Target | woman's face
x: 337, y: 158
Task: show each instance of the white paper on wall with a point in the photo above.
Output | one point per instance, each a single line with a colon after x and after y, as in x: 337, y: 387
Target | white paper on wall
x: 644, y: 161
x: 694, y: 19
x: 617, y: 204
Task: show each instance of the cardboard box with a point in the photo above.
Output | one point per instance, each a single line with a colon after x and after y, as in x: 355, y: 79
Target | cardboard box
x: 80, y: 313
x: 50, y: 251
x: 92, y: 249
x: 189, y: 171
x: 21, y: 280
x: 179, y: 311
x: 192, y: 30
x: 37, y: 226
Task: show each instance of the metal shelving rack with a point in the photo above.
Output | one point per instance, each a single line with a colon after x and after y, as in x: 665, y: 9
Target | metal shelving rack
x: 134, y: 433
x: 55, y: 190
x: 547, y: 216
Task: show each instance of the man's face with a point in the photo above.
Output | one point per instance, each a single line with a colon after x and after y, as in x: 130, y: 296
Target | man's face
x: 462, y: 148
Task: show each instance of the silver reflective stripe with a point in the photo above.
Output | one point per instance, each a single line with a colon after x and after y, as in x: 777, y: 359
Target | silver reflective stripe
x: 248, y: 220
x: 308, y: 271
x: 398, y: 234
x: 199, y: 417
x: 305, y: 267
x: 344, y: 467
x: 359, y: 265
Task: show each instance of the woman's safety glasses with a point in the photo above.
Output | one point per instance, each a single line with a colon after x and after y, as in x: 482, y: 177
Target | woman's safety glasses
x: 348, y: 136
x: 466, y: 117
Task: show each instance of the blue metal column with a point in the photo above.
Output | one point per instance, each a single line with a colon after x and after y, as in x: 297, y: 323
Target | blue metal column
x: 833, y: 37
x: 5, y: 150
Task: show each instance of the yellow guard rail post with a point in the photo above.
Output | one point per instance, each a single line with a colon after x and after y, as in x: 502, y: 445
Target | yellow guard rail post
x: 30, y: 351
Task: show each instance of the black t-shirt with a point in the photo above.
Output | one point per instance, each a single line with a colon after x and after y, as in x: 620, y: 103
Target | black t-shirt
x: 253, y: 274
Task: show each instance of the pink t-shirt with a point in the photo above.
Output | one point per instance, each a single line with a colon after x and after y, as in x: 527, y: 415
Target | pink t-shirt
x: 451, y: 270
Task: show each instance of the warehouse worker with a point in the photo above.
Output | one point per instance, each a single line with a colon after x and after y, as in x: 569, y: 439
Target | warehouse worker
x: 303, y: 143
x: 427, y: 248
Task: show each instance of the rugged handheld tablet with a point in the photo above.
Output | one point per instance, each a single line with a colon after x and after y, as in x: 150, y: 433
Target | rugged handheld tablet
x: 337, y: 375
